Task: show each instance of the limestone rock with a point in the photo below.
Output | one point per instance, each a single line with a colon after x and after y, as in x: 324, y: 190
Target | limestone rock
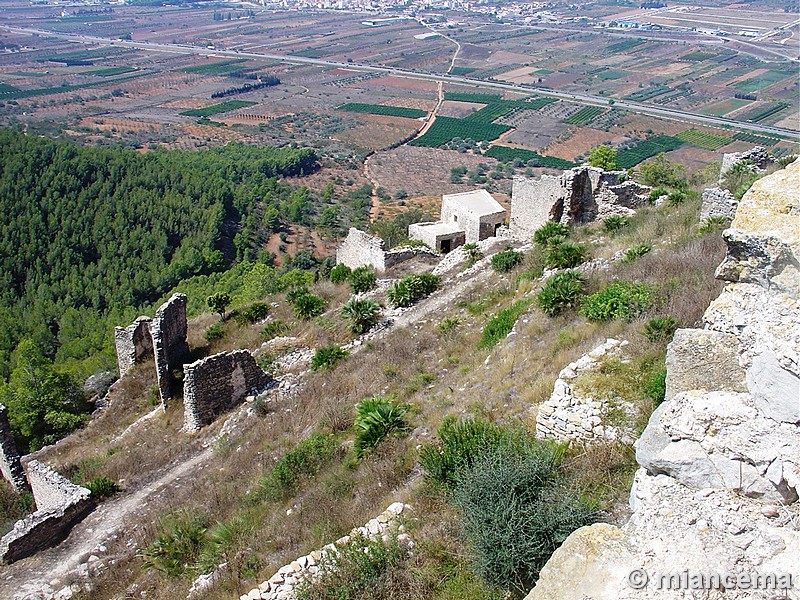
x: 757, y: 156
x: 717, y: 204
x: 775, y: 390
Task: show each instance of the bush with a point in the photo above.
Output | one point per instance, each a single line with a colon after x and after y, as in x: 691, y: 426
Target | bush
x: 340, y: 274
x: 327, y: 357
x: 565, y: 256
x: 614, y: 223
x: 293, y: 294
x: 254, y: 313
x: 635, y: 252
x: 620, y: 300
x: 657, y: 193
x: 308, y: 306
x: 376, y: 418
x: 504, y: 261
x: 501, y: 324
x: 515, y: 512
x: 102, y: 487
x: 560, y: 292
x: 219, y: 303
x: 362, y: 279
x: 273, y: 329
x: 215, y: 332
x: 545, y: 235
x: 473, y: 253
x: 410, y: 289
x: 362, y: 313
x: 304, y: 461
x: 178, y: 546
x: 675, y: 198
x: 656, y: 387
x: 660, y: 329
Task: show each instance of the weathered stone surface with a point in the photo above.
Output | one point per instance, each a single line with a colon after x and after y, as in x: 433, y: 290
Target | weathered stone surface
x: 133, y: 344
x: 757, y: 156
x: 361, y: 249
x: 170, y: 346
x: 217, y: 383
x: 60, y: 503
x: 775, y: 390
x: 578, y: 195
x: 10, y: 464
x: 717, y: 204
x: 699, y: 359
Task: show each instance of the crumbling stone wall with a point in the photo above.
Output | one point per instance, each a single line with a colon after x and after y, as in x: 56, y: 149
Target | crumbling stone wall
x: 214, y: 384
x: 10, y: 465
x: 719, y: 204
x: 578, y: 195
x: 361, y: 249
x: 61, y: 505
x: 164, y: 337
x: 758, y: 156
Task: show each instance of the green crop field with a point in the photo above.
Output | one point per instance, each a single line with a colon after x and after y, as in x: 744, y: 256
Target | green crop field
x: 531, y: 158
x: 218, y: 68
x: 699, y: 56
x: 701, y: 139
x: 612, y: 74
x: 380, y: 109
x: 7, y: 90
x: 648, y: 92
x: 584, y: 115
x: 111, y: 71
x: 472, y: 97
x: 720, y: 109
x: 754, y: 138
x: 625, y: 45
x: 216, y: 109
x: 463, y: 70
x: 759, y: 82
x: 763, y: 112
x: 630, y: 157
x: 445, y: 129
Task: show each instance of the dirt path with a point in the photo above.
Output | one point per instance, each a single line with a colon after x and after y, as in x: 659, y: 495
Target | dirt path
x: 30, y: 578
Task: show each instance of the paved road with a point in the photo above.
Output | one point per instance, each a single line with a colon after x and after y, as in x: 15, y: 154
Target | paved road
x: 662, y: 112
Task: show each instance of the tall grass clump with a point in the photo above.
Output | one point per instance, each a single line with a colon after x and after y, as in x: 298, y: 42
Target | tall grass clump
x: 502, y: 323
x: 303, y: 461
x: 178, y: 545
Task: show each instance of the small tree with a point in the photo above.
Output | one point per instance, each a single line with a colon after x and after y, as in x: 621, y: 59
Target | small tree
x: 219, y: 303
x: 603, y: 157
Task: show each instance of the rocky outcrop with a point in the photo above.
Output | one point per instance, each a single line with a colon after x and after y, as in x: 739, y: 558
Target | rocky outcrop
x: 716, y: 494
x: 217, y: 383
x: 281, y: 585
x: 568, y: 415
x: 60, y: 505
x: 578, y: 195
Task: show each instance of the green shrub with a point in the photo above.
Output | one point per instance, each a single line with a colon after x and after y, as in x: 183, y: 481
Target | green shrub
x: 102, y: 487
x: 376, y: 418
x: 340, y: 274
x: 515, y: 513
x: 254, y: 313
x: 273, y: 329
x: 614, y: 223
x: 473, y: 253
x: 296, y: 292
x: 215, y: 332
x: 362, y: 279
x: 560, y: 292
x: 714, y: 224
x: 504, y: 261
x: 308, y: 306
x: 550, y: 232
x: 631, y: 254
x: 362, y: 313
x: 660, y: 329
x: 410, y: 289
x: 620, y: 300
x: 502, y: 323
x: 357, y: 570
x: 655, y: 388
x: 676, y: 197
x: 657, y: 193
x: 327, y: 357
x: 303, y: 461
x: 565, y: 256
x: 219, y: 302
x: 176, y: 549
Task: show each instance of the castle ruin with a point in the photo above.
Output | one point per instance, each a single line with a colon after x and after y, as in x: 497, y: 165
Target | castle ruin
x: 10, y: 464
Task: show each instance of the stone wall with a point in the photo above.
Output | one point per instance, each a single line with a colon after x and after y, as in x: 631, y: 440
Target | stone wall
x: 281, y: 586
x: 717, y: 204
x: 60, y: 506
x: 134, y: 343
x: 578, y: 195
x: 217, y: 383
x: 10, y: 465
x: 758, y: 156
x: 568, y: 416
x: 361, y: 249
x: 164, y: 337
x: 717, y: 488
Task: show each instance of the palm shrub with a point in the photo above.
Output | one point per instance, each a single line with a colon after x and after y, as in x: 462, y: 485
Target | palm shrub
x: 560, y: 292
x: 339, y: 274
x: 619, y: 300
x: 473, y: 253
x: 565, y: 255
x: 410, y: 289
x: 273, y: 329
x: 660, y: 329
x: 102, y: 487
x: 504, y: 261
x: 257, y: 311
x: 308, y: 306
x: 362, y: 279
x: 295, y: 292
x: 376, y: 418
x: 362, y: 313
x: 176, y: 549
x: 215, y: 332
x: 549, y: 233
x: 326, y: 357
x: 631, y: 254
x: 614, y: 223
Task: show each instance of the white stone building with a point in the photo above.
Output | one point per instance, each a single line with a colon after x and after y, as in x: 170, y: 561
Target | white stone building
x: 465, y: 218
